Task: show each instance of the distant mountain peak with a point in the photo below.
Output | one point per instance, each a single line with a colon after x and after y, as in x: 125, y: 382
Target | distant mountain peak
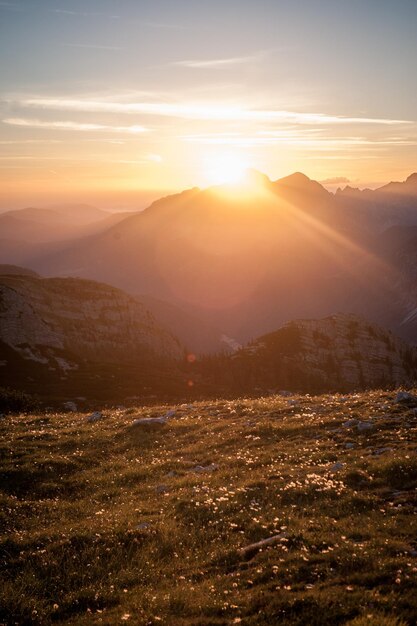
x: 412, y: 179
x: 298, y: 179
x: 300, y: 182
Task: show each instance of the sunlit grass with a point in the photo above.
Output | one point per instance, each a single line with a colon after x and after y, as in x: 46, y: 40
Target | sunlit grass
x: 105, y: 523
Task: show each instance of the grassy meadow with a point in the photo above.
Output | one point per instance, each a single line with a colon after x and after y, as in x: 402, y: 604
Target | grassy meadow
x: 109, y: 523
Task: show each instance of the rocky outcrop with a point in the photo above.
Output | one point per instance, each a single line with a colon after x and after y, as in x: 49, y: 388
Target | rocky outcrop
x: 64, y: 321
x: 340, y: 352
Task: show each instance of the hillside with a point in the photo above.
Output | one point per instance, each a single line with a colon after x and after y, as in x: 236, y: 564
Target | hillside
x: 341, y: 352
x: 109, y: 522
x: 246, y: 261
x: 78, y: 335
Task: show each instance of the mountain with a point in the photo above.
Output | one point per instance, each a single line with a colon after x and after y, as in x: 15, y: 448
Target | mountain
x: 390, y: 205
x: 197, y: 336
x: 32, y: 226
x: 341, y: 352
x: 78, y: 333
x: 246, y: 261
x: 13, y: 270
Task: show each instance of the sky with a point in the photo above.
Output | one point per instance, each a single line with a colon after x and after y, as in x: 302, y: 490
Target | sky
x: 117, y: 101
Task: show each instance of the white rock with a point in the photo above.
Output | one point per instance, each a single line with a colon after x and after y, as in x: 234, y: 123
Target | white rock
x: 350, y: 423
x: 70, y: 406
x: 200, y: 469
x: 143, y: 421
x: 403, y: 397
x: 95, y: 417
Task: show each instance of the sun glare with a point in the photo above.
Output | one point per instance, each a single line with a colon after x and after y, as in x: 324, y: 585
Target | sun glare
x: 225, y: 169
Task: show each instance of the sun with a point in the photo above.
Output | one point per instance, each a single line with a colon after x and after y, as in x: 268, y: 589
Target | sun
x: 225, y: 169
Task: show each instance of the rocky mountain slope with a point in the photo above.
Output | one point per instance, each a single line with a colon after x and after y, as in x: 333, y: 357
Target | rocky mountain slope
x: 30, y: 232
x: 247, y: 261
x: 341, y: 352
x: 56, y: 328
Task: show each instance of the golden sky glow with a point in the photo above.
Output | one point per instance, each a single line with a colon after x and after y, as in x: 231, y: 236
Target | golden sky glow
x: 125, y: 97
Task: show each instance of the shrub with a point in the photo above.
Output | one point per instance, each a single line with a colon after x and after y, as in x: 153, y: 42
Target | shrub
x: 13, y: 401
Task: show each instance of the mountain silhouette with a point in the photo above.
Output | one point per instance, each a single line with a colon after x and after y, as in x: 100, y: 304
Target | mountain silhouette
x: 247, y: 262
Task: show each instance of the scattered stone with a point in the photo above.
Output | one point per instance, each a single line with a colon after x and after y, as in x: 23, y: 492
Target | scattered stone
x: 285, y: 393
x: 379, y: 451
x: 403, y: 397
x: 253, y: 548
x: 337, y: 467
x: 70, y: 406
x: 200, y: 469
x: 143, y: 526
x: 95, y: 417
x: 362, y: 426
x: 143, y: 421
x: 150, y: 421
x: 350, y: 423
x: 162, y: 489
x: 349, y: 446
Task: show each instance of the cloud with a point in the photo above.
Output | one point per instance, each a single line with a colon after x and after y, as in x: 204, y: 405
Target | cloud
x: 216, y: 63
x: 335, y: 180
x: 84, y: 14
x: 10, y: 5
x: 204, y: 111
x: 300, y: 139
x: 91, y: 46
x: 74, y: 126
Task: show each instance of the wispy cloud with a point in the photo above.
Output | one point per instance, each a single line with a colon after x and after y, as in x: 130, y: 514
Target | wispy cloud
x: 335, y: 180
x: 216, y: 63
x: 91, y: 46
x: 85, y: 14
x: 203, y: 111
x: 73, y: 126
x: 294, y: 138
x: 11, y: 6
x: 163, y: 25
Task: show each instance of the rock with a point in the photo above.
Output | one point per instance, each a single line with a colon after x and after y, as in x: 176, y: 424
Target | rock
x: 200, y: 469
x: 162, y: 489
x: 379, y: 451
x: 250, y: 550
x: 349, y: 446
x: 350, y: 423
x: 337, y: 467
x: 150, y: 421
x: 142, y: 526
x: 2, y: 415
x: 403, y: 397
x: 143, y: 421
x: 95, y: 417
x: 362, y: 426
x: 70, y: 406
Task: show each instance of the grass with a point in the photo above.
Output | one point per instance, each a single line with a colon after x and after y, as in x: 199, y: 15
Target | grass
x: 108, y: 523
